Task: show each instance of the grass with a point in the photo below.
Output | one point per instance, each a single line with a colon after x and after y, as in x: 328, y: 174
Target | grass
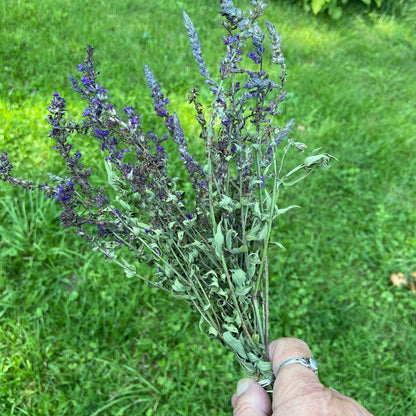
x: 78, y: 338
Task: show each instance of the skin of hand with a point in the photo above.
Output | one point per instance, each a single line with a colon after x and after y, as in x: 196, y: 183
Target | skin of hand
x: 297, y: 390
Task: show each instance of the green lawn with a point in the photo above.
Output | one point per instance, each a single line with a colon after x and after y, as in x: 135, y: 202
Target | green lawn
x: 78, y: 338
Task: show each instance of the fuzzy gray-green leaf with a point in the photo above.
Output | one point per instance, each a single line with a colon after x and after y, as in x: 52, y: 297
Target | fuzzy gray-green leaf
x: 235, y: 344
x: 219, y: 241
x: 239, y: 277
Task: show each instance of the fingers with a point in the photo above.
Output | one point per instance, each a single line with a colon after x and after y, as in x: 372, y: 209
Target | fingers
x: 354, y: 406
x: 297, y: 389
x: 293, y: 381
x: 251, y: 399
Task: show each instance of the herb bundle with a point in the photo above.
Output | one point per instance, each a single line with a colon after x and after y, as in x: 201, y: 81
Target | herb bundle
x: 208, y: 240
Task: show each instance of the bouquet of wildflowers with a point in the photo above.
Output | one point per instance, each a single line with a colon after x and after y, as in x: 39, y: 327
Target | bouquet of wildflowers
x: 208, y: 241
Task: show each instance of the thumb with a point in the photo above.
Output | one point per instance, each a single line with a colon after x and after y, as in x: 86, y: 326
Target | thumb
x: 251, y: 399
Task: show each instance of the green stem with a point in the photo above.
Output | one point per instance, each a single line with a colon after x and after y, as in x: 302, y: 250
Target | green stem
x: 266, y: 308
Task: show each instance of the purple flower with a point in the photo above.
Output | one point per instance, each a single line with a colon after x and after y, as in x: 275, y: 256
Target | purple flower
x: 78, y: 155
x: 159, y: 99
x: 87, y: 81
x: 108, y: 143
x: 86, y: 113
x: 100, y: 134
x: 229, y: 40
x: 65, y: 192
x: 252, y: 55
x: 189, y: 216
x: 226, y: 122
x: 57, y: 103
x: 120, y: 153
x: 101, y: 91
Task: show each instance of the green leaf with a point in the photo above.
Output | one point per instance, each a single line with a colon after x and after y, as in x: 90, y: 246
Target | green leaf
x: 255, y: 227
x: 239, y: 277
x: 126, y: 207
x: 241, y: 249
x: 129, y: 269
x: 179, y: 287
x: 314, y: 159
x: 113, y: 179
x: 212, y: 332
x: 254, y: 258
x: 260, y: 236
x: 218, y: 240
x: 244, y: 201
x: 227, y: 203
x: 235, y: 344
x: 317, y: 5
x: 193, y: 254
x: 180, y: 235
x: 243, y: 291
x: 228, y: 239
x: 231, y: 328
x: 284, y: 210
x: 72, y: 296
x: 251, y: 269
x: 336, y: 13
x: 206, y: 306
x: 276, y: 243
x: 265, y: 366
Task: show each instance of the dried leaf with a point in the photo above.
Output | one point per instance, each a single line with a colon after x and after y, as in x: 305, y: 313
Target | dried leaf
x: 231, y: 328
x: 398, y: 279
x: 261, y: 236
x: 212, y: 331
x: 129, y: 269
x: 229, y: 238
x: 412, y: 287
x: 239, y: 277
x: 254, y: 258
x: 218, y: 240
x: 235, y: 344
x: 284, y: 210
x: 179, y: 287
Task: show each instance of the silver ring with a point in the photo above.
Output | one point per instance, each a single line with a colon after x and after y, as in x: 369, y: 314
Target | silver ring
x: 308, y: 362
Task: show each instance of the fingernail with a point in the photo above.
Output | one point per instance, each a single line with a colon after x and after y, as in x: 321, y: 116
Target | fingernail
x: 242, y: 386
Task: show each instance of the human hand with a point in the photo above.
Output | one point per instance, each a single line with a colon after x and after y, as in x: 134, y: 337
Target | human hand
x: 297, y: 390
